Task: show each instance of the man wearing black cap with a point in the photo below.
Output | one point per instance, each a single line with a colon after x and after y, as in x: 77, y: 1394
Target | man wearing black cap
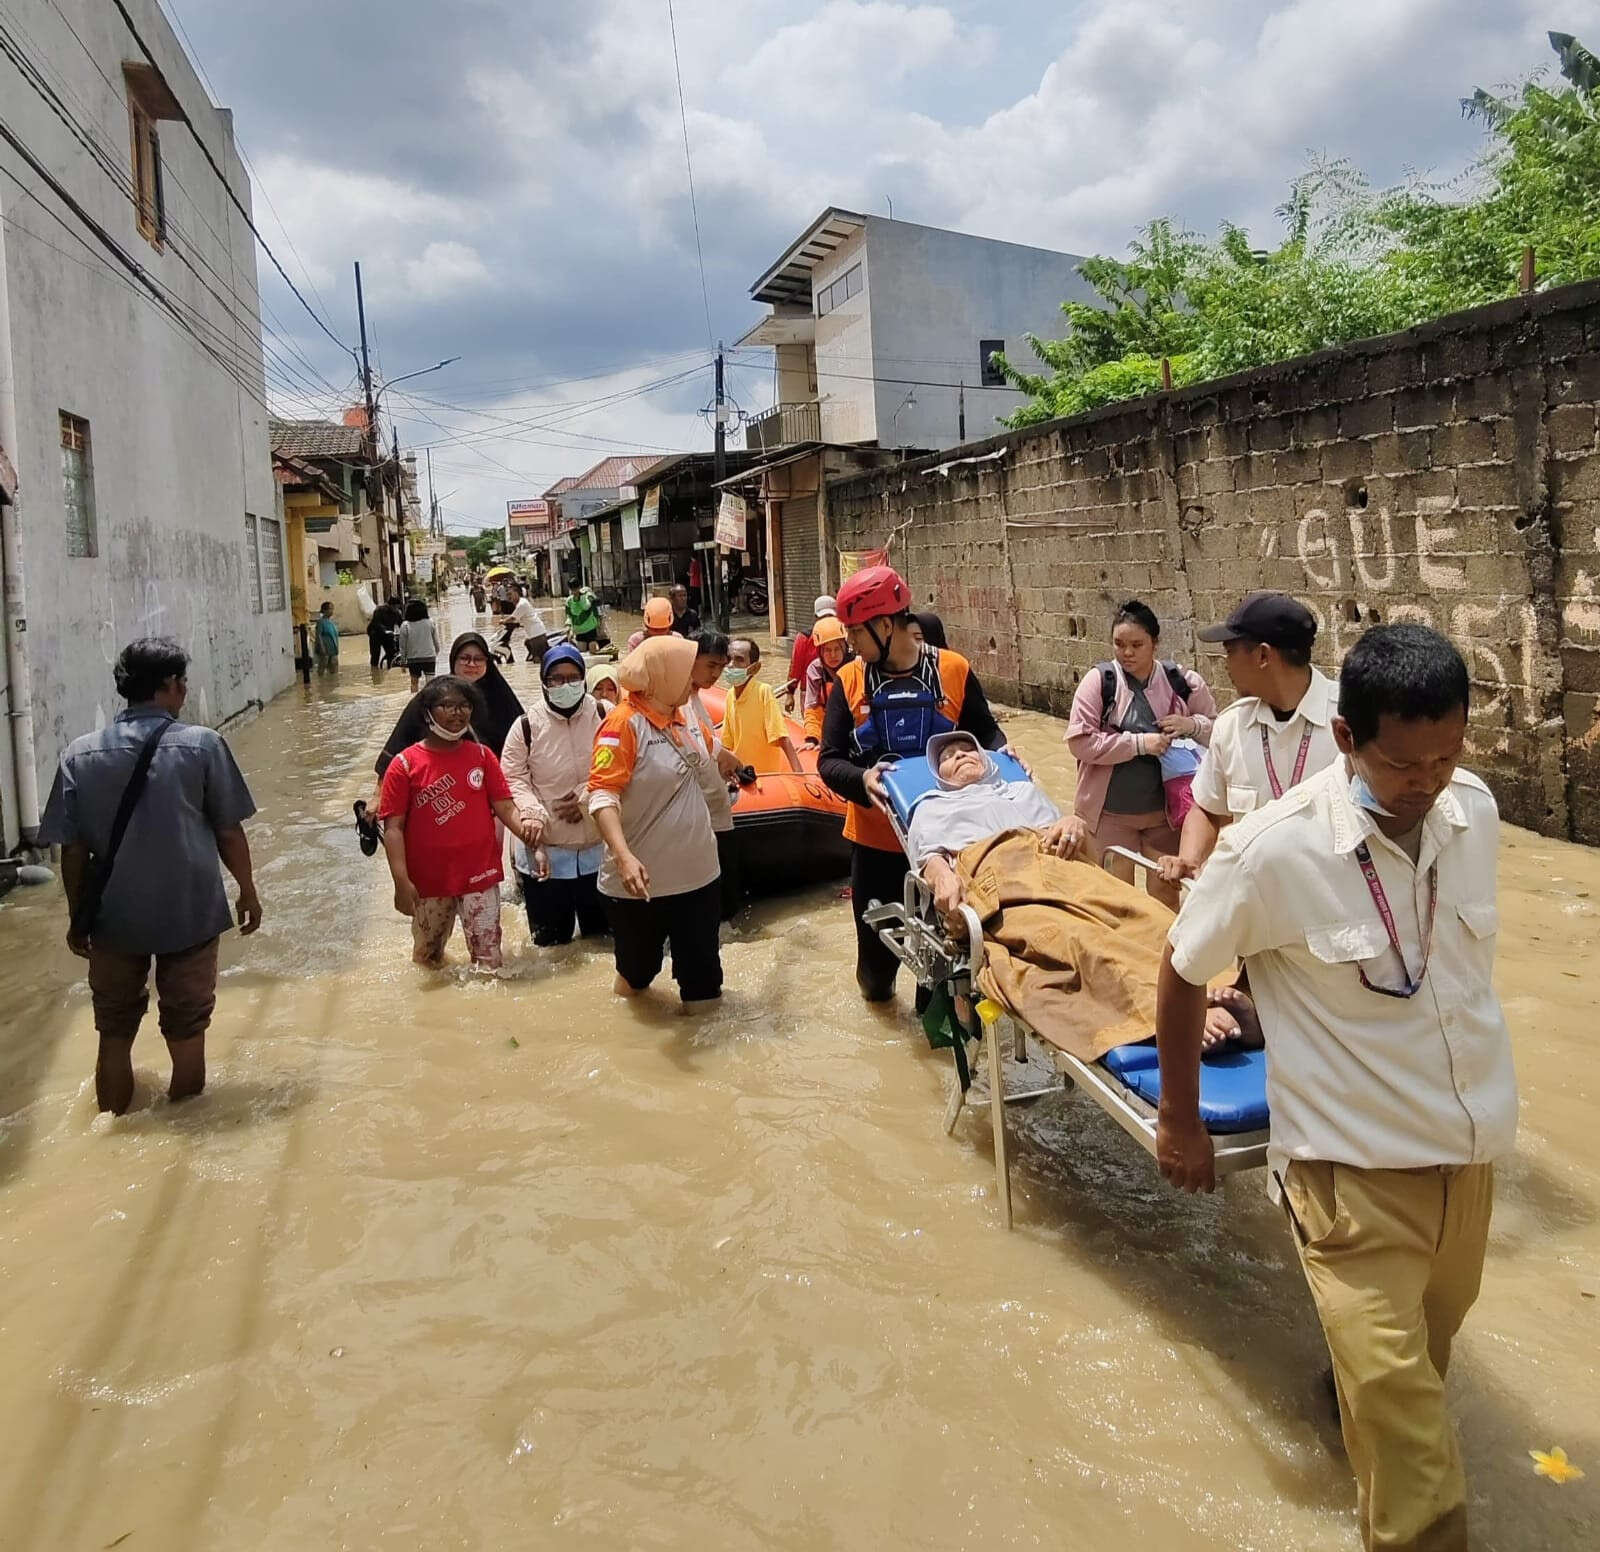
x: 1276, y: 734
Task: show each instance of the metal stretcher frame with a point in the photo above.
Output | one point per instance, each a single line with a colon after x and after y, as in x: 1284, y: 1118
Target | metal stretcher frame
x: 911, y: 930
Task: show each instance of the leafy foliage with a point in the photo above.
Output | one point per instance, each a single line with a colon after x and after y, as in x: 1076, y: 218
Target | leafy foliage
x: 1351, y: 264
x: 489, y: 543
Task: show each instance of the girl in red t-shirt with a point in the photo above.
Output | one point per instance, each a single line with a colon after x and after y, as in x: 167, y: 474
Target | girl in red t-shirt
x: 439, y: 801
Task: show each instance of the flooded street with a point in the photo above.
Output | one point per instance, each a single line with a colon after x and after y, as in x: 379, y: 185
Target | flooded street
x: 444, y: 1261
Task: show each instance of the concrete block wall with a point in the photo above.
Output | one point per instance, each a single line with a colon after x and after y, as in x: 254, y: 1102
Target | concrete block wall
x: 1449, y: 475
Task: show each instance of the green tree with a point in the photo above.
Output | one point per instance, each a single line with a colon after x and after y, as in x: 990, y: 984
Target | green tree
x: 1537, y: 186
x: 1351, y: 264
x: 489, y: 543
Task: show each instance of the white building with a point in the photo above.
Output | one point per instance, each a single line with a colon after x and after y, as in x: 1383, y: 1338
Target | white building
x: 131, y: 388
x: 882, y: 334
x: 883, y: 330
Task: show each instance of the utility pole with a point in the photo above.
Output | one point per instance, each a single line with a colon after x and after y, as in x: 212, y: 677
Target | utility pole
x: 961, y: 414
x: 433, y: 504
x: 400, y: 510
x: 372, y: 427
x: 719, y: 473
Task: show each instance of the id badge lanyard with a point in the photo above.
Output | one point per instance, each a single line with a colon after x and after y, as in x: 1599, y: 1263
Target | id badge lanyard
x: 1369, y: 872
x: 1299, y: 761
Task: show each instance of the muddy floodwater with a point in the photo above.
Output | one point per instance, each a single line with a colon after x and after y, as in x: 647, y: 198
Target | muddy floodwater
x: 446, y: 1261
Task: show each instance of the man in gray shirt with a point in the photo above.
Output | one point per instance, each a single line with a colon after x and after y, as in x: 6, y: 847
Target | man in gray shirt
x: 164, y: 897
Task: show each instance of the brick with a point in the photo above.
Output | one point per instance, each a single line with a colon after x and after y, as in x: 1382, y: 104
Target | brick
x: 1464, y: 441
x: 1423, y: 407
x: 1479, y: 396
x: 1367, y: 417
x: 1575, y: 382
x: 1318, y: 425
x: 1402, y: 368
x: 1571, y: 428
x: 1428, y: 484
x: 1457, y: 355
x: 1575, y: 479
x: 1345, y: 460
x: 1490, y: 485
x: 1269, y: 434
x: 1299, y: 465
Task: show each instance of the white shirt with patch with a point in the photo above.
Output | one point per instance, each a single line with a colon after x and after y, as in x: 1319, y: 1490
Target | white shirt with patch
x: 1232, y: 779
x: 1355, y: 1077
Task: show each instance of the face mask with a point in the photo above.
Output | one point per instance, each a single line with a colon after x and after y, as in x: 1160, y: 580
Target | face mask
x: 445, y: 733
x: 565, y: 697
x: 1361, y: 795
x: 735, y: 676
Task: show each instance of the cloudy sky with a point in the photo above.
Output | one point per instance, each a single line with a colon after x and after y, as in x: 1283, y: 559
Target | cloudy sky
x: 511, y: 174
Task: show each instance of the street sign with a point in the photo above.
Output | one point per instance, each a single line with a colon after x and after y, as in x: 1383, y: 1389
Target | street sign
x: 732, y: 519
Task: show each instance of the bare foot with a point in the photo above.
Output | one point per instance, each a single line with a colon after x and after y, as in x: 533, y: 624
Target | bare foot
x: 620, y: 988
x: 1231, y: 1022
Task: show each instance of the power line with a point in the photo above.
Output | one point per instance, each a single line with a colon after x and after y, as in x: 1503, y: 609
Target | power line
x: 33, y: 75
x: 222, y: 178
x: 35, y: 72
x: 256, y: 179
x: 688, y: 162
x: 151, y: 291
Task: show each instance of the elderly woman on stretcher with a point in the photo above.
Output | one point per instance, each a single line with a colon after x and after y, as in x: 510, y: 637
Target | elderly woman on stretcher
x: 1005, y: 848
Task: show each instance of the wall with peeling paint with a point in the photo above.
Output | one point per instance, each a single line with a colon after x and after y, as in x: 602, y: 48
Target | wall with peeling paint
x: 179, y: 445
x: 1449, y: 475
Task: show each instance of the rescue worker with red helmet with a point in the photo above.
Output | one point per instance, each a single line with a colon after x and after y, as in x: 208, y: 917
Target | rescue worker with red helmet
x: 889, y: 699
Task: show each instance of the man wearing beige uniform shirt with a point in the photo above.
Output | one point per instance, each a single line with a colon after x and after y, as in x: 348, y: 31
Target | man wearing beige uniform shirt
x: 1276, y: 734
x: 1363, y: 905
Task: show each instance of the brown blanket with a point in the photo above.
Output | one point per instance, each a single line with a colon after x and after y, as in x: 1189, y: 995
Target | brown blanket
x: 1071, y: 950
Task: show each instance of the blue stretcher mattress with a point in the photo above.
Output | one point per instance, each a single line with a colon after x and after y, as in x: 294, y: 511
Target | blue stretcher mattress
x: 910, y: 779
x: 1233, y: 1084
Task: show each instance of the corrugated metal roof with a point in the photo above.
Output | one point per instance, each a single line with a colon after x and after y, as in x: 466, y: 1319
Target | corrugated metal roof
x: 614, y: 472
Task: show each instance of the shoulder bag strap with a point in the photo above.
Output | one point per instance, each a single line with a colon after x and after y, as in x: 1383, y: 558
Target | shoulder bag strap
x: 1108, y: 693
x: 94, y: 884
x: 1179, y: 682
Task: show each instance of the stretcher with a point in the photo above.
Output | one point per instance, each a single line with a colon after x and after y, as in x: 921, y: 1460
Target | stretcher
x: 1023, y: 1063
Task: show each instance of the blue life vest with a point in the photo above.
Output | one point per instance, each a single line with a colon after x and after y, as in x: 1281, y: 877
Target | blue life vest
x: 903, y: 711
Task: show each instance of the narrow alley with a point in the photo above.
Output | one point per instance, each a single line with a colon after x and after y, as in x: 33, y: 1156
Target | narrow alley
x: 442, y: 1260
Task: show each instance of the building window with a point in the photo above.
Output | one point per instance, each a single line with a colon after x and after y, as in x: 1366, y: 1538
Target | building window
x: 252, y: 561
x: 77, y: 486
x: 150, y: 100
x: 272, y: 564
x: 149, y: 197
x: 989, y: 374
x: 845, y: 287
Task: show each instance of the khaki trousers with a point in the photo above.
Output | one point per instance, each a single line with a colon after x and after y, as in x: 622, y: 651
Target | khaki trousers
x: 1394, y: 1258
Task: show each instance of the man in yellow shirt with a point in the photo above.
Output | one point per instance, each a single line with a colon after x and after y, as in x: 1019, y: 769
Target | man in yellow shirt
x: 752, y: 723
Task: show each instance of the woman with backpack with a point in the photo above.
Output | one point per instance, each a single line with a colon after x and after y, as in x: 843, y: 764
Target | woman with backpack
x: 546, y: 758
x: 1125, y: 716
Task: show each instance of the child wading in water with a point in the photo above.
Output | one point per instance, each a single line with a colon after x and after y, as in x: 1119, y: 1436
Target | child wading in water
x: 440, y: 799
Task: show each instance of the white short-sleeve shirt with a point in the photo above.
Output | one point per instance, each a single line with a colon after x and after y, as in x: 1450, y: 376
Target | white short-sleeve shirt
x: 1232, y: 779
x: 1355, y: 1077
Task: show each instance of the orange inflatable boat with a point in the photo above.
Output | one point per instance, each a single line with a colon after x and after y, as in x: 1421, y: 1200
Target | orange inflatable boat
x: 790, y: 826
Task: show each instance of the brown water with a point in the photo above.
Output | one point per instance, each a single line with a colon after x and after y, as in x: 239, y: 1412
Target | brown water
x: 451, y: 1262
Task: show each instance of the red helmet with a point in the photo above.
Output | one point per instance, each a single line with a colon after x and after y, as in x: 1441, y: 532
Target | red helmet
x: 870, y: 594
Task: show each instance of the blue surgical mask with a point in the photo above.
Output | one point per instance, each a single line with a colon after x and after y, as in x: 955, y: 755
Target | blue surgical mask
x: 565, y: 697
x: 1362, y: 796
x: 734, y: 677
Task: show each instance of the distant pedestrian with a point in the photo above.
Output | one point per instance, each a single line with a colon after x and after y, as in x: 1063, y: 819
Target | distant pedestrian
x: 685, y: 618
x: 535, y: 633
x: 583, y: 617
x: 143, y: 812
x: 327, y: 641
x: 440, y: 799
x: 382, y: 643
x: 419, y: 643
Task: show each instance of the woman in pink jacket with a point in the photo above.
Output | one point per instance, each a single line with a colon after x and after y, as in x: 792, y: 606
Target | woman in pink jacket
x: 1118, y: 746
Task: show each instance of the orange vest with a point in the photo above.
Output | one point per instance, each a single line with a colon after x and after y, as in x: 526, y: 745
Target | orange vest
x: 870, y: 826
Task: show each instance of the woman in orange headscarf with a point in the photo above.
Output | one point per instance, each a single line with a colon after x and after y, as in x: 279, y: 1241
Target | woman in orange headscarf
x: 648, y: 786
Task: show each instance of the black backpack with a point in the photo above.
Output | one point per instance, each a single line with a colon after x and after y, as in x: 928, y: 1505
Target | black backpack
x: 1108, y: 688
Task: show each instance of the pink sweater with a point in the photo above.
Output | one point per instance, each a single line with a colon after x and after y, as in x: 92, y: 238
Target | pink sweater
x: 1097, y: 748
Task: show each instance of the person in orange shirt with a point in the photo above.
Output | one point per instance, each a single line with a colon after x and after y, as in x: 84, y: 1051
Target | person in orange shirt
x: 658, y: 618
x: 752, y: 723
x: 833, y: 648
x: 650, y: 783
